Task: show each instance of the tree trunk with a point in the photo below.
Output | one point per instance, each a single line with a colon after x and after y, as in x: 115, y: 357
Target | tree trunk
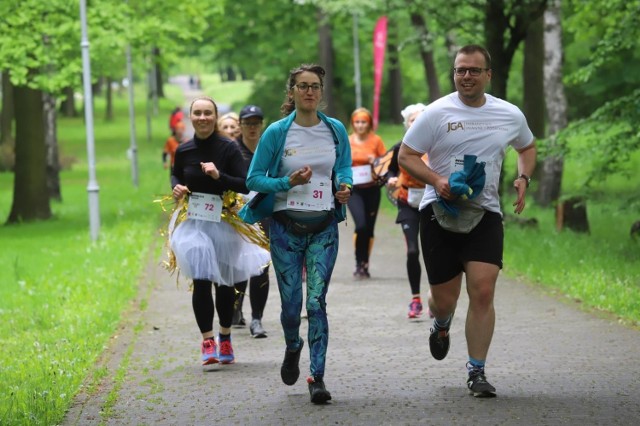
x: 556, y: 102
x: 572, y: 214
x: 395, y: 76
x: 68, y: 105
x: 532, y: 75
x: 51, y: 142
x: 96, y: 88
x: 159, y: 77
x: 6, y: 119
x: 30, y: 200
x: 326, y: 60
x: 426, y: 53
x: 231, y: 74
x: 108, y: 112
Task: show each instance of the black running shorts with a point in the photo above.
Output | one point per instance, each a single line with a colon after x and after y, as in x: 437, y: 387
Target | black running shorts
x: 446, y: 252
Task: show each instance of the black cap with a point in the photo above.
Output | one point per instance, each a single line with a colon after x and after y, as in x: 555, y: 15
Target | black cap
x: 251, y: 111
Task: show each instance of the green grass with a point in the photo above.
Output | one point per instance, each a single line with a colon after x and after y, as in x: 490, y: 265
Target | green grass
x: 62, y: 296
x: 232, y: 93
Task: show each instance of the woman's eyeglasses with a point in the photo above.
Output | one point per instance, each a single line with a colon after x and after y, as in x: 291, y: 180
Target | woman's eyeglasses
x: 303, y: 87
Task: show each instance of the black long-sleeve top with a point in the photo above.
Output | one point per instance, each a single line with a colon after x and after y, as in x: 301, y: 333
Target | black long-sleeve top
x: 222, y: 152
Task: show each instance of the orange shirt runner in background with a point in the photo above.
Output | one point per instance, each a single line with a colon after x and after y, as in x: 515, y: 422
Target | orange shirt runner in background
x: 172, y: 144
x: 365, y: 152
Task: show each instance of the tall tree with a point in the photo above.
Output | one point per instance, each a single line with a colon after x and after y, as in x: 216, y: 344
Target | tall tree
x: 533, y: 80
x: 30, y: 183
x: 51, y: 144
x: 395, y: 73
x: 7, y: 154
x: 326, y: 59
x: 506, y: 26
x: 6, y: 117
x: 426, y: 53
x: 552, y: 164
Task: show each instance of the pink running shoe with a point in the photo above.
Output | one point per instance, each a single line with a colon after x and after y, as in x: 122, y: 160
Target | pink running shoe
x: 209, y: 352
x: 226, y: 352
x: 415, y: 308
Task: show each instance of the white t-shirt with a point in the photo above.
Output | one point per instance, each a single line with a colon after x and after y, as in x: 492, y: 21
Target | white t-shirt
x: 313, y: 146
x: 448, y: 129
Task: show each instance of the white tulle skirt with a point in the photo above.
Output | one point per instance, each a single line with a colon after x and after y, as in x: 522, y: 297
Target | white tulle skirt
x: 214, y: 251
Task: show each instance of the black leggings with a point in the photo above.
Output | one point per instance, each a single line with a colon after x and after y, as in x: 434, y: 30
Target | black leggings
x: 411, y: 229
x: 203, y: 308
x: 258, y: 293
x: 363, y: 205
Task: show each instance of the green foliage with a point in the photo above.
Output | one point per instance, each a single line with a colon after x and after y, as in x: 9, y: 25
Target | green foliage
x: 36, y: 35
x: 606, y: 141
x: 40, y: 40
x: 616, y: 23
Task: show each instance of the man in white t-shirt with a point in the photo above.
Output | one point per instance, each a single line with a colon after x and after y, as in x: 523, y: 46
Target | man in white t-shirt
x: 466, y: 122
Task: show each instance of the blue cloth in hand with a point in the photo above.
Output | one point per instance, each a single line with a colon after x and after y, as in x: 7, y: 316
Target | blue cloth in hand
x: 466, y: 183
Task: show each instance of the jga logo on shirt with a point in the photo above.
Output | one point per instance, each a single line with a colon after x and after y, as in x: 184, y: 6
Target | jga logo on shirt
x: 455, y: 126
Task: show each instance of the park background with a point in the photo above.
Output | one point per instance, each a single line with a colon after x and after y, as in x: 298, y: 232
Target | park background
x: 62, y: 295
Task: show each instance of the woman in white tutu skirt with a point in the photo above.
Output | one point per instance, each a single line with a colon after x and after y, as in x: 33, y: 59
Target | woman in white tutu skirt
x: 208, y: 250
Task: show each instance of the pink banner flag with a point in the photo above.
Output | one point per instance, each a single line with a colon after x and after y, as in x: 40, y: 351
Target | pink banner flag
x: 379, y: 47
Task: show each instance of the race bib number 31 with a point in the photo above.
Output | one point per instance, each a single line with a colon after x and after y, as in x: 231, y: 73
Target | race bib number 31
x: 314, y: 196
x: 204, y: 207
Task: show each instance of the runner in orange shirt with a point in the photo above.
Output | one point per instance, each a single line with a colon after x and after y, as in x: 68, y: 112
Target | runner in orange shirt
x: 364, y: 203
x: 172, y: 144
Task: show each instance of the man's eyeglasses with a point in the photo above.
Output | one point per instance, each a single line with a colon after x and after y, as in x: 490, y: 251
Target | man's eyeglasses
x: 303, y: 87
x: 474, y: 72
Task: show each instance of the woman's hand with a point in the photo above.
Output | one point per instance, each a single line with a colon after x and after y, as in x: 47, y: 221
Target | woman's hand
x: 392, y: 182
x: 343, y: 194
x: 210, y: 169
x: 179, y: 191
x: 300, y: 176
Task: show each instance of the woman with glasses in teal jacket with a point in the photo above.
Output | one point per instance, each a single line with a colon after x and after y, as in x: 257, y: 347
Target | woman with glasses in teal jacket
x: 302, y: 172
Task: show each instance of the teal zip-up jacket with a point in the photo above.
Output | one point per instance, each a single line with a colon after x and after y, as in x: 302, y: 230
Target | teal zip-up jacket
x: 262, y: 175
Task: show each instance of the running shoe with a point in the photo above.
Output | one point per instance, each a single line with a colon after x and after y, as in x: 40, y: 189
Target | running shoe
x: 478, y: 385
x: 439, y: 342
x: 256, y: 329
x: 415, y: 308
x: 317, y: 391
x: 290, y: 370
x: 238, y: 319
x: 225, y: 354
x: 209, y: 352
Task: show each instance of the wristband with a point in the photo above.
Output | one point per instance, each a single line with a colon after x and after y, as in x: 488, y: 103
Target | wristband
x: 526, y: 178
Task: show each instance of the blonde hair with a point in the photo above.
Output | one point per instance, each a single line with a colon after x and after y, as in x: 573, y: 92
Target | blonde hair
x: 232, y: 115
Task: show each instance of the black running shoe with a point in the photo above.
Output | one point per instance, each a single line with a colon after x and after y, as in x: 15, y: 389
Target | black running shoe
x: 290, y: 371
x: 478, y: 385
x: 317, y: 391
x: 439, y: 343
x: 238, y: 319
